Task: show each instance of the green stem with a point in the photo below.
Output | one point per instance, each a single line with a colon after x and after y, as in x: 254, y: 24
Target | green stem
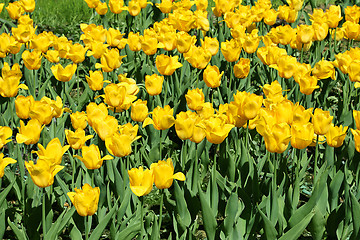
x: 160, y: 149
x: 316, y: 156
x: 44, y: 214
x: 78, y: 88
x: 88, y: 221
x: 161, y: 209
x: 142, y: 217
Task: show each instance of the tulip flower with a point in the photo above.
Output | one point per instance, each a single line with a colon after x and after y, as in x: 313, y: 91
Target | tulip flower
x: 184, y: 41
x: 194, y: 99
x: 287, y: 13
x: 276, y: 137
x: 15, y: 10
x: 211, y: 44
x: 153, y: 84
x: 130, y: 130
x: 4, y: 162
x: 78, y: 120
x: 270, y: 17
x: 91, y: 157
x: 336, y: 135
x: 322, y: 121
x: 167, y: 39
x: 356, y: 115
x: 5, y: 134
x: 198, y: 57
x: 95, y: 81
x: 92, y: 3
x: 30, y: 133
x: 184, y: 124
x: 77, y: 53
x: 150, y: 44
x: 206, y: 110
x: 43, y: 172
x: 56, y: 106
x: 101, y: 8
x: 22, y: 106
x: 96, y: 112
x: 333, y: 16
x: 162, y: 118
x: 114, y: 36
x: 167, y: 65
x: 105, y: 127
x: 356, y: 134
x: 110, y: 60
x: 23, y: 33
x: 216, y: 129
x: 85, y: 200
x: 76, y: 139
x: 134, y: 7
x: 52, y: 56
x: 32, y: 60
x: 248, y: 104
x: 324, y: 69
x: 242, y: 68
x: 41, y: 111
x: 301, y: 135
x: 139, y: 110
x: 53, y: 151
x: 164, y: 174
x: 212, y: 76
x: 114, y: 95
x: 141, y: 181
x: 97, y: 49
x: 301, y: 115
x: 28, y: 5
x: 165, y: 6
x: 231, y: 50
x: 117, y: 6
x: 64, y: 74
x: 308, y: 84
x: 119, y: 144
x: 10, y: 80
x: 41, y: 42
x: 1, y: 6
x: 134, y: 42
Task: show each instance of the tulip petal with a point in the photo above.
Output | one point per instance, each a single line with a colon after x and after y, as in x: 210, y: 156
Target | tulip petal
x: 107, y: 157
x: 147, y: 121
x: 179, y: 176
x: 23, y: 86
x: 20, y: 138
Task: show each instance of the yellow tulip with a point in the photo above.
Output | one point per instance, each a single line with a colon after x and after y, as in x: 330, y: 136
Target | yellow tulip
x: 153, y: 84
x: 164, y: 174
x: 308, y: 84
x: 324, y: 69
x: 77, y: 53
x: 211, y: 44
x: 356, y: 115
x: 96, y: 112
x: 194, y: 99
x: 76, y: 139
x: 184, y: 41
x: 336, y: 135
x: 270, y: 16
x: 141, y: 181
x: 184, y: 124
x: 277, y: 137
x: 5, y: 134
x: 15, y: 10
x: 56, y: 106
x: 53, y: 151
x: 216, y: 129
x: 301, y: 115
x: 43, y: 172
x: 10, y: 80
x: 28, y: 5
x: 32, y: 60
x: 22, y: 106
x: 78, y: 120
x: 301, y: 135
x: 287, y: 13
x: 251, y: 42
x: 149, y: 44
x: 4, y: 162
x: 231, y: 50
x: 206, y: 110
x: 64, y: 74
x: 286, y: 66
x: 333, y: 16
x: 119, y: 144
x: 134, y: 7
x: 97, y: 49
x: 114, y: 36
x: 1, y: 6
x: 114, y: 95
x: 165, y: 6
x: 117, y: 6
x: 352, y: 13
x: 134, y: 42
x: 110, y: 60
x: 23, y: 33
x: 322, y: 121
x: 198, y: 57
x: 41, y: 42
x: 162, y: 118
x: 52, y: 56
x: 248, y: 104
x: 167, y: 65
x: 212, y: 76
x: 139, y: 110
x: 92, y: 3
x: 321, y: 30
x: 30, y: 133
x: 91, y: 157
x: 356, y: 134
x: 41, y: 111
x: 105, y: 127
x: 85, y: 200
x: 95, y: 80
x: 242, y: 68
x: 101, y: 8
x: 354, y: 71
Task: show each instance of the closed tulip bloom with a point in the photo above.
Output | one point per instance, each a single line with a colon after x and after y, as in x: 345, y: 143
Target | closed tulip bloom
x: 110, y: 60
x: 211, y: 44
x: 356, y: 134
x: 5, y: 134
x: 41, y: 111
x: 251, y: 42
x: 162, y: 118
x: 78, y: 120
x: 149, y: 44
x: 324, y: 69
x: 41, y: 42
x: 153, y: 84
x: 95, y: 80
x: 164, y: 174
x: 184, y: 124
x: 119, y: 144
x: 195, y: 99
x: 141, y: 181
x: 114, y: 95
x: 301, y: 115
x: 101, y: 8
x: 134, y: 8
x: 249, y: 104
x: 165, y: 6
x: 305, y: 33
x: 77, y: 53
x: 356, y: 115
x: 322, y: 121
x: 288, y: 14
x: 10, y: 80
x: 105, y: 127
x: 96, y: 112
x: 198, y: 133
x: 354, y: 71
x: 22, y: 106
x: 28, y: 5
x: 231, y: 50
x: 336, y: 135
x: 43, y: 172
x: 167, y: 65
x: 286, y: 66
x: 30, y: 133
x: 76, y: 139
x: 139, y: 110
x: 212, y: 76
x: 198, y: 57
x: 15, y: 10
x: 242, y: 68
x: 116, y: 6
x: 4, y: 162
x: 53, y: 151
x: 184, y: 41
x: 97, y: 49
x: 270, y: 17
x: 321, y: 30
x: 92, y: 3
x: 85, y: 200
x: 333, y: 16
x: 308, y: 84
x: 284, y: 111
x: 134, y: 42
x: 91, y: 157
x: 277, y: 137
x: 32, y: 60
x: 52, y: 56
x: 216, y: 129
x: 114, y: 36
x: 301, y: 135
x: 64, y: 74
x: 23, y: 33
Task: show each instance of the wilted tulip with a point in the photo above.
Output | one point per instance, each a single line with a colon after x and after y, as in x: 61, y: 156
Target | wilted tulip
x: 30, y: 133
x: 76, y: 139
x: 141, y: 181
x: 43, y: 172
x: 64, y: 74
x: 195, y: 98
x: 91, y: 157
x: 153, y: 84
x: 85, y: 200
x: 164, y: 174
x: 162, y: 118
x: 4, y: 162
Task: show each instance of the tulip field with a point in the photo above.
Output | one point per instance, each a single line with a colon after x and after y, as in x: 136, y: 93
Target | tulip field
x: 179, y: 119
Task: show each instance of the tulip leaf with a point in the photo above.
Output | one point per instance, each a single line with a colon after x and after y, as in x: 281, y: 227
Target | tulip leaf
x: 5, y: 192
x: 60, y: 223
x: 2, y: 223
x: 124, y: 204
x: 269, y: 228
x: 181, y: 206
x: 20, y: 234
x: 355, y: 209
x: 209, y: 219
x: 130, y: 231
x: 295, y: 232
x: 96, y: 234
